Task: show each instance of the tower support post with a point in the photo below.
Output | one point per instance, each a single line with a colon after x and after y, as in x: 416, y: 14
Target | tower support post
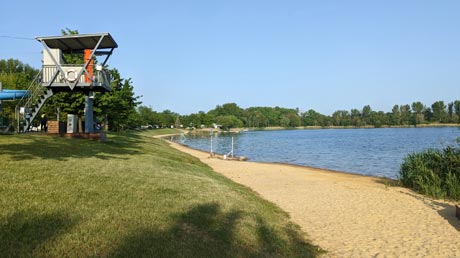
x: 89, y: 121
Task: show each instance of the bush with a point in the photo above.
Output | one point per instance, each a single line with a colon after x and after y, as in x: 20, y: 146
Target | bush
x: 228, y: 122
x: 433, y: 172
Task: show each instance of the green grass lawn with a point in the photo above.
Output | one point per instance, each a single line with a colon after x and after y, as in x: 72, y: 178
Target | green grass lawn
x: 131, y: 196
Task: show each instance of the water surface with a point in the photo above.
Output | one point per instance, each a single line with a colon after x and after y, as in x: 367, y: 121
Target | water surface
x: 375, y: 152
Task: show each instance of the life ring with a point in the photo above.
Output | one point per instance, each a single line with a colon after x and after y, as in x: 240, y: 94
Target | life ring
x: 98, y: 126
x: 71, y: 75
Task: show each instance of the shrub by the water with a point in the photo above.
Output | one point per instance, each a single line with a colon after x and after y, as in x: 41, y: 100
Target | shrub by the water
x: 433, y: 172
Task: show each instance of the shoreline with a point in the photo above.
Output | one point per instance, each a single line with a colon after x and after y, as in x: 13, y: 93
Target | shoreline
x: 270, y: 162
x: 279, y: 128
x: 339, y: 161
x: 164, y: 137
x: 347, y: 214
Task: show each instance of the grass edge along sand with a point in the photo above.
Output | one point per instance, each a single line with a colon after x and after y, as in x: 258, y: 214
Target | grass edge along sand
x: 132, y: 196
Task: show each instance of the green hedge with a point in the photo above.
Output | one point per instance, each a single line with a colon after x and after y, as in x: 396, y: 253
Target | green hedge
x: 433, y: 172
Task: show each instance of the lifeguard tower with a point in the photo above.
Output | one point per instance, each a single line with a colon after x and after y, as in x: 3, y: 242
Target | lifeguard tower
x: 57, y: 75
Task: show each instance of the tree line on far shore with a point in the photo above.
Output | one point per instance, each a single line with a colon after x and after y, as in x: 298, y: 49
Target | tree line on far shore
x: 122, y: 109
x: 230, y: 115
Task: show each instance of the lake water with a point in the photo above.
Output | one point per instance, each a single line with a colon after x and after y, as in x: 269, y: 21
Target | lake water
x: 375, y: 152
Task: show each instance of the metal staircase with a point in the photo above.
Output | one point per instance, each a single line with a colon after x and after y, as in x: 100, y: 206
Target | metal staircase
x: 29, y: 107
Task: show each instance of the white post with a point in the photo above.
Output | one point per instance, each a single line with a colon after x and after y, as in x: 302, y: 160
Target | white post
x: 232, y: 146
x: 211, y: 144
x: 210, y: 133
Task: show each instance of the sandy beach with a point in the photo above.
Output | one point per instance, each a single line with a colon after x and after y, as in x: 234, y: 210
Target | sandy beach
x: 350, y: 215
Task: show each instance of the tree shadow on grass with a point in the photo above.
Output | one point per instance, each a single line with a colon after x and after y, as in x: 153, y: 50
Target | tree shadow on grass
x: 207, y: 231
x: 60, y: 148
x: 22, y: 233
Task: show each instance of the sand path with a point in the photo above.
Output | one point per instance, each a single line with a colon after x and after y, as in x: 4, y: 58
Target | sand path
x: 350, y: 215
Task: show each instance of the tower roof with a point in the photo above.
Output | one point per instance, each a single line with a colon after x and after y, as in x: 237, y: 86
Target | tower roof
x: 69, y: 43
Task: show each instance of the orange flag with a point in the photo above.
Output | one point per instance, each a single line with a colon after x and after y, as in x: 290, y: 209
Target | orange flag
x: 89, y: 68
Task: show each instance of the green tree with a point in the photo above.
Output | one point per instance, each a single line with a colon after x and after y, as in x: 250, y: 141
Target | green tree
x: 313, y: 118
x: 284, y: 121
x: 118, y: 104
x: 450, y: 112
x: 228, y: 122
x: 457, y: 109
x: 379, y: 119
x: 355, y: 117
x: 366, y: 115
x: 14, y: 74
x: 294, y: 119
x: 439, y: 111
x: 177, y: 123
x: 147, y: 115
x: 418, y: 109
x: 167, y: 118
x: 256, y: 118
x: 192, y: 120
x: 134, y: 120
x: 428, y: 113
x: 227, y: 109
x: 395, y: 115
x: 206, y: 119
x: 341, y: 118
x: 405, y: 114
x: 273, y: 116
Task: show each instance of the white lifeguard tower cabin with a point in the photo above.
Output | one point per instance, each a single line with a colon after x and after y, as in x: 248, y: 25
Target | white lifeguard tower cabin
x: 57, y: 75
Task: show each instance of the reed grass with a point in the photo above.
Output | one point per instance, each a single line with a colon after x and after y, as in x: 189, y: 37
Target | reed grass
x: 435, y: 173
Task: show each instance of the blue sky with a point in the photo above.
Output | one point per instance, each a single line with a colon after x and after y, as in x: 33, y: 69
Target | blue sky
x: 189, y: 56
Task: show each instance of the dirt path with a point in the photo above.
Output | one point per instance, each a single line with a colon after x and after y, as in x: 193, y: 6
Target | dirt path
x: 350, y: 215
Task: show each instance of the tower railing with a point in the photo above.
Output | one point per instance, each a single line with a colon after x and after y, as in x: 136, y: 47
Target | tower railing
x: 29, y: 105
x: 51, y: 71
x: 52, y: 75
